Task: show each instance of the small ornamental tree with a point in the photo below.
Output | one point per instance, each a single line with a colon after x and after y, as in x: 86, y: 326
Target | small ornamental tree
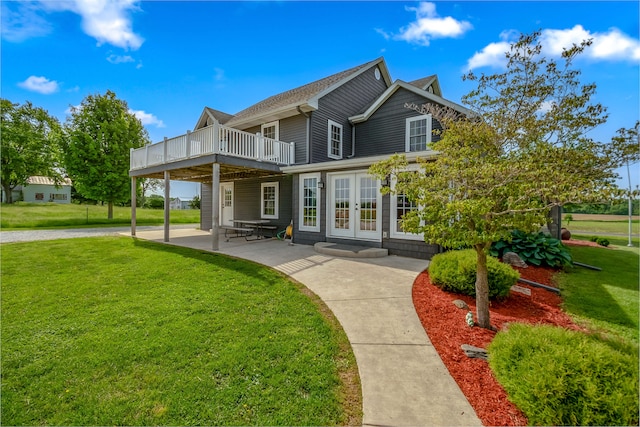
x: 98, y: 137
x: 524, y: 152
x: 30, y: 145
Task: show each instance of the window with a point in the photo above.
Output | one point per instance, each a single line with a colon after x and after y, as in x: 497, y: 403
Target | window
x: 271, y: 130
x: 418, y: 133
x: 269, y: 200
x: 400, y: 206
x: 308, y: 203
x: 334, y: 140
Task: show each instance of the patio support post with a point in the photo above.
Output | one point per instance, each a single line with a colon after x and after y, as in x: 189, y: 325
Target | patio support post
x: 167, y: 204
x: 215, y: 206
x: 133, y: 206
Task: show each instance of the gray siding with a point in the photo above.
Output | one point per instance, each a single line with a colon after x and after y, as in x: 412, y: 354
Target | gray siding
x: 292, y: 129
x: 205, y: 206
x: 247, y: 199
x: 349, y: 99
x: 384, y: 132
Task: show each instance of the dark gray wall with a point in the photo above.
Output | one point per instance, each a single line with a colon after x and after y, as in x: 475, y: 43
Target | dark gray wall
x: 384, y: 132
x: 246, y: 195
x: 351, y: 98
x: 205, y: 206
x: 292, y: 129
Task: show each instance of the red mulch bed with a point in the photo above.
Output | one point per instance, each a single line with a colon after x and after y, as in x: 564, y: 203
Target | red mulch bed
x: 446, y: 326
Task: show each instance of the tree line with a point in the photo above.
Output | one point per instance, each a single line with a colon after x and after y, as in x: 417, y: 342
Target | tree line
x: 91, y: 148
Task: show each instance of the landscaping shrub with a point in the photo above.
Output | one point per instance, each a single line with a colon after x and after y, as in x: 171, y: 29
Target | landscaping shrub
x: 602, y: 241
x: 561, y: 377
x: 534, y: 248
x: 455, y: 271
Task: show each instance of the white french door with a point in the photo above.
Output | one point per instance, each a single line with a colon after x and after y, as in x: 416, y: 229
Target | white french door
x: 354, y: 206
x: 226, y: 204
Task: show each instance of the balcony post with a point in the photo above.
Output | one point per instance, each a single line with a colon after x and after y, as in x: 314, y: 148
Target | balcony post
x: 292, y: 154
x: 259, y: 146
x: 167, y: 203
x: 133, y: 206
x: 215, y: 206
x: 216, y: 137
x: 188, y: 149
x: 164, y: 158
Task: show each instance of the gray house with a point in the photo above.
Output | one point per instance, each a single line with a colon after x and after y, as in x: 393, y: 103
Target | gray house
x: 303, y: 155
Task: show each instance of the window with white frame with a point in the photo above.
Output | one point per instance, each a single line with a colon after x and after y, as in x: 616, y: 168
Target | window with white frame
x: 401, y: 205
x: 334, y: 140
x: 418, y: 133
x: 271, y: 130
x: 269, y: 200
x: 309, y: 202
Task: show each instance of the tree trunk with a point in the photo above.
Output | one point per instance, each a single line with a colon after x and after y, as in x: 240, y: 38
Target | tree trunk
x: 8, y: 193
x: 482, y: 288
x: 110, y: 210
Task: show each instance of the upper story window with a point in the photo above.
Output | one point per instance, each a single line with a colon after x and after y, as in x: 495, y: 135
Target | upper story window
x: 269, y: 200
x: 418, y: 133
x: 271, y: 130
x: 334, y: 140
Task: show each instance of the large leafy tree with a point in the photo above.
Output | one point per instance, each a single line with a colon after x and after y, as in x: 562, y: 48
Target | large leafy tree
x: 98, y: 137
x: 30, y: 145
x: 525, y: 150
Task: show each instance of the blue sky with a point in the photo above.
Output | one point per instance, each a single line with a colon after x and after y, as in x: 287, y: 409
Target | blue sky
x: 170, y: 59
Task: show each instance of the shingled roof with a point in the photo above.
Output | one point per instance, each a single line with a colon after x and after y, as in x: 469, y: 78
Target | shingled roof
x: 306, y: 95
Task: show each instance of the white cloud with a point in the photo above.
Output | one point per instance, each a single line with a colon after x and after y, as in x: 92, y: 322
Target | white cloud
x: 428, y: 25
x: 147, y: 118
x: 219, y: 74
x: 108, y: 21
x: 40, y: 84
x: 22, y: 21
x: 119, y: 59
x: 612, y: 45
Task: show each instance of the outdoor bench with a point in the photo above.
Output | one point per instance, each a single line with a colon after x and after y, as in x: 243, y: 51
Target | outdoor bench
x: 237, y: 231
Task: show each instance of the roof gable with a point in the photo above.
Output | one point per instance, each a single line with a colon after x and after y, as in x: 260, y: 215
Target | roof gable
x: 358, y: 118
x: 304, y: 98
x: 210, y: 113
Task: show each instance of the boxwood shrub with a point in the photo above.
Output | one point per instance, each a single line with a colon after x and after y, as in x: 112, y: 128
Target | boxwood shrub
x: 455, y: 271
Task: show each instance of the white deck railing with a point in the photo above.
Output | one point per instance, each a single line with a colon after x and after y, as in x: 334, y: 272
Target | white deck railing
x: 216, y: 139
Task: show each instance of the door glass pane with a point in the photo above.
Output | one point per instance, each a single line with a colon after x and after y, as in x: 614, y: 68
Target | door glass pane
x: 342, y: 203
x: 310, y: 202
x: 367, y: 206
x: 227, y: 197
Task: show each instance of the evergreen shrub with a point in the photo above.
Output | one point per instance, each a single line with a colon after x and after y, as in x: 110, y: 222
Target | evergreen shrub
x: 455, y: 271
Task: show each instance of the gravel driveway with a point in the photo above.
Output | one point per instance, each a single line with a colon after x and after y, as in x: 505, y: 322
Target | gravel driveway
x: 69, y: 233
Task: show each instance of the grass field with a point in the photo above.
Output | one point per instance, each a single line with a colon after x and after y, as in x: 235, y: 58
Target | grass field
x: 114, y: 331
x: 562, y: 377
x: 52, y: 215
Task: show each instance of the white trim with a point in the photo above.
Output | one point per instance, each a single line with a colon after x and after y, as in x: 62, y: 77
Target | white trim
x: 356, y: 162
x: 276, y: 186
x: 409, y: 120
x: 358, y: 118
x: 393, y: 212
x: 330, y: 154
x: 301, y: 226
x: 276, y: 124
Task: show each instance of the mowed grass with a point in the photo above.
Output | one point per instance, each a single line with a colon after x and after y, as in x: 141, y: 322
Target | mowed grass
x: 561, y: 377
x: 51, y: 215
x: 613, y: 227
x: 115, y: 331
x: 607, y: 300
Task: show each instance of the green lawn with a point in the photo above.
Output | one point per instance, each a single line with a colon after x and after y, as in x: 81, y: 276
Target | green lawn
x: 116, y: 331
x: 561, y: 377
x: 51, y: 215
x: 615, y: 227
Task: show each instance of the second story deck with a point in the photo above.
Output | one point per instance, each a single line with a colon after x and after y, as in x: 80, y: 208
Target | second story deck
x: 215, y: 139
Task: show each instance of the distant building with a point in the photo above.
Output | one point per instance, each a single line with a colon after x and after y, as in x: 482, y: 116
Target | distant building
x: 180, y: 203
x: 42, y: 189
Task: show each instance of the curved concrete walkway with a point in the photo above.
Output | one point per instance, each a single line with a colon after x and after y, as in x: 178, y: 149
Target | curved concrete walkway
x: 404, y: 382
